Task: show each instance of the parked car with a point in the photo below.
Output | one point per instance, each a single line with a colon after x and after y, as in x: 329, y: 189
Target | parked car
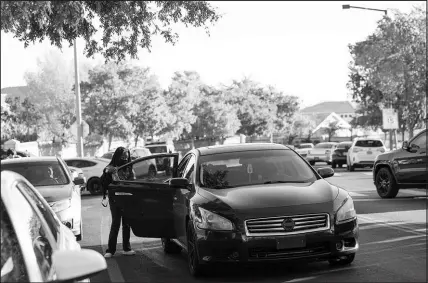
x: 148, y: 165
x: 51, y: 177
x: 92, y: 169
x: 161, y: 147
x: 363, y: 153
x: 25, y: 153
x: 402, y: 168
x: 107, y: 156
x: 304, y: 148
x: 35, y: 245
x: 322, y: 152
x: 78, y: 173
x: 340, y: 153
x: 242, y: 203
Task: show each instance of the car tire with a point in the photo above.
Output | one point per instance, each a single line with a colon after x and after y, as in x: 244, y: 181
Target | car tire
x: 169, y: 247
x: 312, y: 163
x: 340, y: 261
x: 94, y: 186
x: 196, y: 269
x: 333, y: 165
x: 351, y: 168
x: 386, y: 186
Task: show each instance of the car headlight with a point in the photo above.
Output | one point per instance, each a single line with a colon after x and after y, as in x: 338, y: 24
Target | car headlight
x: 61, y: 205
x: 346, y: 211
x: 211, y: 221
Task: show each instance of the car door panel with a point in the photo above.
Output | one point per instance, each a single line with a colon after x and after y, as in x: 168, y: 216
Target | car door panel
x: 412, y: 166
x: 147, y: 203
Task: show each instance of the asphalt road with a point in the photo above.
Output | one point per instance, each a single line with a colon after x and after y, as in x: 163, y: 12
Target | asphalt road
x: 393, y: 245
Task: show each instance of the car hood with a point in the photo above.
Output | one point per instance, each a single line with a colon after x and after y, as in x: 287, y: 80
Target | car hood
x: 251, y: 198
x: 55, y: 193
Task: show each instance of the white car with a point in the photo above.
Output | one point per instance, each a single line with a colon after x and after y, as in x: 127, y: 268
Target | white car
x: 51, y: 177
x: 322, y: 152
x: 92, y: 169
x: 35, y: 245
x: 148, y: 166
x: 78, y: 173
x: 304, y: 148
x: 363, y: 153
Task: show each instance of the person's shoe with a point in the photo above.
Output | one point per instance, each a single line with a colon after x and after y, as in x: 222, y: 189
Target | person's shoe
x: 130, y: 252
x: 108, y: 254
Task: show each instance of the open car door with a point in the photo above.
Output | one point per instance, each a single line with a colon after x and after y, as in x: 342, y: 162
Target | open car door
x: 144, y: 194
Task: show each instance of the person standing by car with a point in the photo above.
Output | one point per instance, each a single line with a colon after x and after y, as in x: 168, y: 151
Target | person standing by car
x: 120, y: 157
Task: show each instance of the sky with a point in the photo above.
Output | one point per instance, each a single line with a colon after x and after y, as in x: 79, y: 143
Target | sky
x: 301, y: 48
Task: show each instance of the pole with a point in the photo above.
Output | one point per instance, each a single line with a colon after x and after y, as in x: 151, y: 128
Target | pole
x: 78, y: 103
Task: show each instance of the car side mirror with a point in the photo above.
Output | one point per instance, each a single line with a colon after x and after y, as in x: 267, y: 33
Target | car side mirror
x: 86, y: 263
x: 326, y: 172
x: 78, y: 181
x: 178, y: 183
x: 405, y: 145
x: 413, y: 148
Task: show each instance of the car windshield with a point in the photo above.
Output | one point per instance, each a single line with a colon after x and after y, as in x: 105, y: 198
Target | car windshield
x: 369, y: 143
x: 324, y: 145
x: 235, y: 169
x: 158, y: 149
x: 46, y: 173
x: 344, y: 145
x: 142, y: 152
x: 305, y: 146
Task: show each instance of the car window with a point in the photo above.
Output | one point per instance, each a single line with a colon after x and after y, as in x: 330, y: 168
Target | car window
x: 421, y: 140
x: 43, y: 173
x: 158, y: 149
x: 38, y: 235
x: 182, y: 166
x: 253, y: 168
x: 73, y: 163
x: 43, y: 207
x: 190, y: 167
x: 369, y: 143
x: 306, y: 146
x: 324, y: 145
x: 12, y: 262
x: 146, y: 170
x: 344, y: 145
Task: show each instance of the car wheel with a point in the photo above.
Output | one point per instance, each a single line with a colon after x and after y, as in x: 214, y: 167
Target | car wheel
x: 312, y: 163
x: 94, y: 186
x: 169, y: 247
x: 333, y: 165
x: 351, y: 168
x: 343, y: 260
x: 195, y: 267
x: 152, y: 172
x: 386, y: 186
x: 340, y: 165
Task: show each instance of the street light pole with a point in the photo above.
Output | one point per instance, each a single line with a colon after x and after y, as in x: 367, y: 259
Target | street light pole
x: 78, y: 103
x: 355, y: 7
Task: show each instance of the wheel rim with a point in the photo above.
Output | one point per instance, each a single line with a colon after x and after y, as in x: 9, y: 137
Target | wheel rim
x: 383, y: 182
x: 191, y: 250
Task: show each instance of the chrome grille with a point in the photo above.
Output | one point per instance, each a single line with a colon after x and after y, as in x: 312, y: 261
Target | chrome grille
x: 273, y: 226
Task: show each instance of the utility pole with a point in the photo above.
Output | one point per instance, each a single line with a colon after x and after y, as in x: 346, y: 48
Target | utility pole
x: 78, y: 103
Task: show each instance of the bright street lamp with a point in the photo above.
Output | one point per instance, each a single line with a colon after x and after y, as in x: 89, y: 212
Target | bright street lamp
x: 355, y: 7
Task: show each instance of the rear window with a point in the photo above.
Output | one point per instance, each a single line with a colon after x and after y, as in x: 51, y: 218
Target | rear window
x: 344, y: 145
x: 369, y: 143
x: 306, y: 146
x: 158, y: 149
x: 46, y: 173
x: 324, y: 145
x: 247, y: 168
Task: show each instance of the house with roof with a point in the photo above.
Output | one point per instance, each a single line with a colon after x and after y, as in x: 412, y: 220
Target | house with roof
x: 344, y: 109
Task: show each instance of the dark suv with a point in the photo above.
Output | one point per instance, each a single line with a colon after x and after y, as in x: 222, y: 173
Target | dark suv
x: 402, y: 168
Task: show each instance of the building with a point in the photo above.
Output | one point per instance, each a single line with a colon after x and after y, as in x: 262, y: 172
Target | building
x: 320, y: 111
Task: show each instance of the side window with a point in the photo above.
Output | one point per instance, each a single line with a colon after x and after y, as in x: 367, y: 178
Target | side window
x: 12, y: 261
x: 147, y: 170
x: 421, y: 140
x: 190, y: 167
x: 38, y: 233
x: 49, y: 216
x: 85, y: 163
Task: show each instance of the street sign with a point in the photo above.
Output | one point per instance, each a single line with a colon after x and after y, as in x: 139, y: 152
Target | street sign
x: 390, y: 119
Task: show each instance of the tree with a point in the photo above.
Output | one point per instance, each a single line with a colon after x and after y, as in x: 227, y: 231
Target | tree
x: 125, y: 25
x: 393, y: 63
x: 331, y: 129
x: 108, y: 96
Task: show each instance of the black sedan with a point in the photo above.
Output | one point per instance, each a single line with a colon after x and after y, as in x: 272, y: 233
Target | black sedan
x: 403, y: 168
x: 241, y: 203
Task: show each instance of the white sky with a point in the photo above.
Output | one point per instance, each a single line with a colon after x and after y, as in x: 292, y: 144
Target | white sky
x: 299, y: 47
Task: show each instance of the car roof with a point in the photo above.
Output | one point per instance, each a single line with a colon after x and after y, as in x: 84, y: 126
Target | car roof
x: 346, y: 142
x: 207, y: 150
x: 368, y: 139
x: 29, y: 160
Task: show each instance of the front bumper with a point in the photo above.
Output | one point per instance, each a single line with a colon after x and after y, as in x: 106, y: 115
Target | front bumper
x: 222, y: 247
x: 71, y: 219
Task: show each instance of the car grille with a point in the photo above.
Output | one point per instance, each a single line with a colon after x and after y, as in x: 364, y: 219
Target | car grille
x: 273, y: 226
x: 272, y: 253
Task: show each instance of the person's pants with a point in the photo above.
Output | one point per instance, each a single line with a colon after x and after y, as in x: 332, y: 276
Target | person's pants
x: 116, y: 217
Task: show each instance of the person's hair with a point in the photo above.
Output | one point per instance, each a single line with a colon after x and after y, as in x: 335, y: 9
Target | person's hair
x: 115, y: 160
x: 11, y: 151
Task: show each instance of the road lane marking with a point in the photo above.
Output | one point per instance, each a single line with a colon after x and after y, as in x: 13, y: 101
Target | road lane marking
x: 301, y: 279
x: 113, y: 268
x: 368, y: 173
x: 393, y: 224
x: 394, y: 240
x: 353, y: 194
x: 391, y: 248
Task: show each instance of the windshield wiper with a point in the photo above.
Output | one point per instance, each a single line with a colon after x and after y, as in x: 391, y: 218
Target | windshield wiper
x: 283, y: 182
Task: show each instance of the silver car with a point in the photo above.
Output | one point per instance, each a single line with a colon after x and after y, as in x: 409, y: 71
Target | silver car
x: 51, y: 177
x: 322, y: 152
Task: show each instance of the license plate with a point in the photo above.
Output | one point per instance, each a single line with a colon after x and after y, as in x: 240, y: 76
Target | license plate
x: 316, y: 158
x: 291, y: 242
x: 369, y: 152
